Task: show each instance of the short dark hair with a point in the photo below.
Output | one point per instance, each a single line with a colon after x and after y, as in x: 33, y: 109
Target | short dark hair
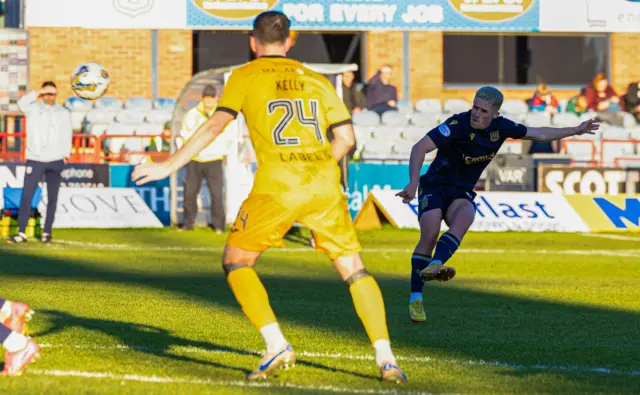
x: 49, y: 83
x: 209, y: 91
x: 271, y: 27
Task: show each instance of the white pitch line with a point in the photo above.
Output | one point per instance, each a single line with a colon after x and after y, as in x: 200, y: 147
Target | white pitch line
x: 368, y: 357
x: 612, y: 237
x: 127, y: 247
x: 218, y: 383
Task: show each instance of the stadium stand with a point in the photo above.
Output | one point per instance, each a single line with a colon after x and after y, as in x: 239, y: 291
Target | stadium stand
x: 79, y: 109
x: 111, y: 121
x: 111, y: 127
x: 515, y: 109
x: 456, y: 106
x: 429, y: 106
x: 390, y: 137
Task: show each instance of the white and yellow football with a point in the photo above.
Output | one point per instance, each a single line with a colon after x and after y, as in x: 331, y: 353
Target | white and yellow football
x: 90, y: 81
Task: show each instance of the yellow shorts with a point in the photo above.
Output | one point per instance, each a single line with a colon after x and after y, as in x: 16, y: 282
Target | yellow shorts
x: 263, y: 220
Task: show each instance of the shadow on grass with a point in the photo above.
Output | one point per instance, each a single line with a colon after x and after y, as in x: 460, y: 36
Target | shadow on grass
x: 160, y: 340
x: 462, y: 325
x: 133, y: 335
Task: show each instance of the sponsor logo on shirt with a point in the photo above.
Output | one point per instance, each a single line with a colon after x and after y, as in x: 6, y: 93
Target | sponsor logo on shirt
x: 444, y: 130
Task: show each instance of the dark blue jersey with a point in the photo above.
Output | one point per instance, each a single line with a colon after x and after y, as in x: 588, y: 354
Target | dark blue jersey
x: 464, y: 152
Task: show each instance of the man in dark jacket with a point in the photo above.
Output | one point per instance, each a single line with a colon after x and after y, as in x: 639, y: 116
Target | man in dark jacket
x: 381, y: 95
x: 632, y: 99
x: 352, y: 97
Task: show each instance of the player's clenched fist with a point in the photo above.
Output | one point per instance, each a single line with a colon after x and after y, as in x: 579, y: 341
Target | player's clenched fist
x: 408, y: 193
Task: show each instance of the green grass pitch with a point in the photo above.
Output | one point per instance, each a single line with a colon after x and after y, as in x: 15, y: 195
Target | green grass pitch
x: 129, y: 311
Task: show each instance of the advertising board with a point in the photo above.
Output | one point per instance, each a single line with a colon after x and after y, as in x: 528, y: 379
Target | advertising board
x: 496, y: 15
x: 495, y: 212
x: 571, y: 180
x: 101, y: 208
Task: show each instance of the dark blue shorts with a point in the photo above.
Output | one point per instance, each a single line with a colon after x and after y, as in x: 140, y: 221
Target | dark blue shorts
x: 431, y: 197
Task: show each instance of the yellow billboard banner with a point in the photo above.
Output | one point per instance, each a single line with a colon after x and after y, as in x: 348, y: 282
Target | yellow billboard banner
x: 607, y: 213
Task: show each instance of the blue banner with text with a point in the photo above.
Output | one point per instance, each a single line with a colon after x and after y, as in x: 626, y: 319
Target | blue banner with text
x: 490, y: 15
x: 365, y: 177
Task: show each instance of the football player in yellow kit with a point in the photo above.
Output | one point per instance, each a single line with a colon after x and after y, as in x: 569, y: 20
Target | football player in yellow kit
x: 288, y: 109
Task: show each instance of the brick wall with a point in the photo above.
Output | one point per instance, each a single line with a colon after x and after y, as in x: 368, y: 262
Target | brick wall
x: 426, y: 73
x: 425, y: 65
x: 385, y: 48
x: 126, y: 54
x: 55, y: 52
x: 175, y: 63
x: 625, y: 58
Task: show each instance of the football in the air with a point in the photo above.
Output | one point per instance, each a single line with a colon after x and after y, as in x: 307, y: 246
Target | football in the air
x: 90, y: 81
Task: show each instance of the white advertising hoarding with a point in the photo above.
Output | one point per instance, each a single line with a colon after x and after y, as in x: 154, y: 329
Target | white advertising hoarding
x: 101, y: 208
x: 495, y: 212
x: 590, y: 15
x: 107, y: 14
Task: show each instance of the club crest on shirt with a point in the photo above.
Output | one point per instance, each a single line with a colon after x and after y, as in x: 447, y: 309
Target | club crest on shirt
x: 424, y: 202
x: 472, y: 136
x: 444, y: 130
x: 494, y: 136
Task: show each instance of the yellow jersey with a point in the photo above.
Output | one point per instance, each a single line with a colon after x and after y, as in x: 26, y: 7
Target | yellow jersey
x: 288, y: 109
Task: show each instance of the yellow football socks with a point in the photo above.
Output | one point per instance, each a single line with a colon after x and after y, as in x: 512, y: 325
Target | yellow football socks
x: 369, y: 305
x: 252, y: 296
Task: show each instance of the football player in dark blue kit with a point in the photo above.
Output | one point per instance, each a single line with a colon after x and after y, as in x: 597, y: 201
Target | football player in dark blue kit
x: 466, y: 143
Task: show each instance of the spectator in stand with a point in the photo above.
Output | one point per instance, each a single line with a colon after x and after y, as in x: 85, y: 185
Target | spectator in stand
x: 603, y: 99
x: 631, y: 99
x: 355, y: 101
x: 49, y: 139
x: 577, y: 104
x: 544, y: 101
x: 161, y: 143
x: 207, y: 164
x: 381, y: 95
x: 158, y: 144
x: 352, y: 97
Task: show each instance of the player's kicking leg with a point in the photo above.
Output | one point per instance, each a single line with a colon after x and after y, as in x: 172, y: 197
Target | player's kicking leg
x: 429, y: 229
x: 252, y: 297
x: 460, y: 215
x: 19, y: 349
x: 369, y: 305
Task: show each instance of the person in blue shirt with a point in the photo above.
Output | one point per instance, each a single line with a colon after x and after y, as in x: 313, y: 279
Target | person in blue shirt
x: 466, y: 144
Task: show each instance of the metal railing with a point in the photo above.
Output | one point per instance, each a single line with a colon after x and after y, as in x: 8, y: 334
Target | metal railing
x: 12, y: 146
x: 591, y: 143
x: 608, y: 141
x: 89, y: 148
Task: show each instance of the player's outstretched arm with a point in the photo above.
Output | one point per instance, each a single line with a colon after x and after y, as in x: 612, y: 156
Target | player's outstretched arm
x: 551, y: 134
x: 416, y: 160
x: 205, y: 134
x: 343, y: 141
